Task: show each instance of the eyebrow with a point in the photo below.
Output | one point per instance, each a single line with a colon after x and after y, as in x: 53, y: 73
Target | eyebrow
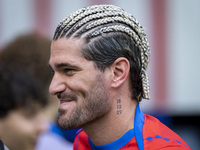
x: 61, y: 65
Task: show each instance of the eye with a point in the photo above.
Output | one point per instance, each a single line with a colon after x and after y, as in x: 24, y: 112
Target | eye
x: 69, y: 71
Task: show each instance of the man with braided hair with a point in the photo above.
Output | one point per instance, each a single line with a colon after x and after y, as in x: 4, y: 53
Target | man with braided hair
x: 99, y: 58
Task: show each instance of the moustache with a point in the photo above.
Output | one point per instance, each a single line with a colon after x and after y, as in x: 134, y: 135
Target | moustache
x: 66, y: 96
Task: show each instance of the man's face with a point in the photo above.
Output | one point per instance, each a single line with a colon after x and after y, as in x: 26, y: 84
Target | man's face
x: 82, y: 89
x: 21, y: 128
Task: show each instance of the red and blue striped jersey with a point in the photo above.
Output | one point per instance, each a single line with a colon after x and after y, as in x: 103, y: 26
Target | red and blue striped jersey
x: 148, y: 134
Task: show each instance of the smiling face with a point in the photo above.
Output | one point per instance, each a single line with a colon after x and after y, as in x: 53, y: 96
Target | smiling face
x: 82, y: 89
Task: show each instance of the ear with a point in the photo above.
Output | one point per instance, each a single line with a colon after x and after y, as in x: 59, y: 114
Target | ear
x: 120, y: 70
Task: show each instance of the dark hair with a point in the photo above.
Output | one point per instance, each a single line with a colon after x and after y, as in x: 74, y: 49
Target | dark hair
x: 104, y: 50
x: 109, y: 33
x: 18, y: 89
x: 31, y: 53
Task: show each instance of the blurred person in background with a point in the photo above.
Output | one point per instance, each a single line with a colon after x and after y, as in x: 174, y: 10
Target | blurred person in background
x: 21, y: 105
x: 31, y: 53
x: 99, y: 57
x: 2, y: 146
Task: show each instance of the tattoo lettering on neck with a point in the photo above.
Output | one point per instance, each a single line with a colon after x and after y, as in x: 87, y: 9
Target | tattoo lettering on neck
x: 119, y: 107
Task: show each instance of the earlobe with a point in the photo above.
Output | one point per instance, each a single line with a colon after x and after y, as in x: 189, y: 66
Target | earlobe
x: 120, y: 70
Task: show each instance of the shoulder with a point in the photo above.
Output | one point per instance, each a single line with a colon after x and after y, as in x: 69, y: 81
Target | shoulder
x: 1, y: 145
x: 81, y: 141
x: 158, y: 136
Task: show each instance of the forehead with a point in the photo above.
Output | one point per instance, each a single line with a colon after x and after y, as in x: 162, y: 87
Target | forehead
x: 64, y: 49
x: 65, y: 45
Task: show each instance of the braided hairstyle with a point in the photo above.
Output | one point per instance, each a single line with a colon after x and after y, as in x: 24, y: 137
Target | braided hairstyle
x: 109, y: 33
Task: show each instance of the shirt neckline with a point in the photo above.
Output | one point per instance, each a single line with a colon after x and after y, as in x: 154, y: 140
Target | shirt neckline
x: 136, y: 131
x: 116, y: 144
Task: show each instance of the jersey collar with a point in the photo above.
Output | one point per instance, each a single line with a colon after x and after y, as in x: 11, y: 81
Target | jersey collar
x: 137, y: 131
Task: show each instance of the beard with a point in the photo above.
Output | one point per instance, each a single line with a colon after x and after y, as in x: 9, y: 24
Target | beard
x: 95, y: 105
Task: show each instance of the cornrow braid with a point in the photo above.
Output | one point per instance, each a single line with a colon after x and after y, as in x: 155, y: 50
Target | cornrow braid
x: 65, y: 21
x: 139, y: 43
x: 98, y: 20
x: 73, y: 18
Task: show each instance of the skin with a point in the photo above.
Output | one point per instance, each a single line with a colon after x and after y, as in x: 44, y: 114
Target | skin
x: 20, y: 129
x: 82, y: 99
x: 89, y: 98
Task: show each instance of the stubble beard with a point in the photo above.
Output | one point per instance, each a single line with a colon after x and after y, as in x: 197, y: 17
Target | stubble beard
x: 95, y: 105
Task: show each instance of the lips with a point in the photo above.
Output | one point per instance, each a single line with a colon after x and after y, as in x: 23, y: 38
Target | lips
x: 65, y: 101
x: 63, y: 97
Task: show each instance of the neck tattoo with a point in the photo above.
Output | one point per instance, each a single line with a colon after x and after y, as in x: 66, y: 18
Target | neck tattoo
x: 119, y: 107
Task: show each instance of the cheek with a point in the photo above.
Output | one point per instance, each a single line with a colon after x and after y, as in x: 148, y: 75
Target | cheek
x: 18, y: 132
x: 23, y: 127
x: 84, y: 80
x: 80, y: 85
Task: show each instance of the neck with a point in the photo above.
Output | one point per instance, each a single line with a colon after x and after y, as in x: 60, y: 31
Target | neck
x: 115, y: 124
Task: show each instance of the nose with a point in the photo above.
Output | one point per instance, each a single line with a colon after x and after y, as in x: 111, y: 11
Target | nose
x: 56, y: 86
